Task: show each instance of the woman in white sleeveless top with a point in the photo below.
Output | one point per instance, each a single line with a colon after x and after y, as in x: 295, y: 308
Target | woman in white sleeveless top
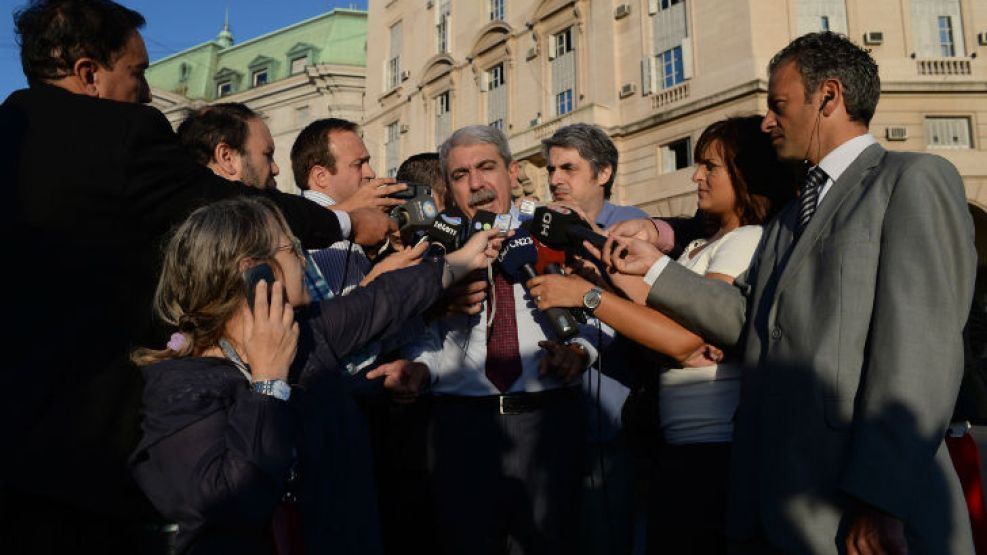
x: 740, y: 185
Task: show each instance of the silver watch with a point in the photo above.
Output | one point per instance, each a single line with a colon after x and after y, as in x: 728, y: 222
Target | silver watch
x: 279, y: 389
x: 592, y: 298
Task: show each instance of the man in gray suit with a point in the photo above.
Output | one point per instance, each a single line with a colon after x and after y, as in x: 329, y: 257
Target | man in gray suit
x: 849, y: 321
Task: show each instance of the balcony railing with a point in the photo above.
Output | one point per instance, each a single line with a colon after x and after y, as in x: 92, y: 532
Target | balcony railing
x: 668, y: 96
x: 943, y: 66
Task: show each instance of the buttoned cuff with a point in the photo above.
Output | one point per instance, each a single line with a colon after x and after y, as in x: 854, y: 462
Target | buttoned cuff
x: 655, y: 270
x: 345, y: 226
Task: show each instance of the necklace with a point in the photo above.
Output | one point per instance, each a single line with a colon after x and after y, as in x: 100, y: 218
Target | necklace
x: 231, y: 355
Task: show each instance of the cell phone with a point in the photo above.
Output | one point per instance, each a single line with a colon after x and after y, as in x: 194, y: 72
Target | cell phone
x: 254, y: 275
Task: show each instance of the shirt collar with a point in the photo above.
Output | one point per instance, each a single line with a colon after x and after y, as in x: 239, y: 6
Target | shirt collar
x: 321, y: 199
x: 837, y: 161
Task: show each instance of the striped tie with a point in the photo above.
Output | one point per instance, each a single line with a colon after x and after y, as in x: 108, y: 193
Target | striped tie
x: 809, y: 198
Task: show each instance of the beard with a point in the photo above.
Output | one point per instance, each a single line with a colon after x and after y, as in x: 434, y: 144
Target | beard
x: 251, y: 178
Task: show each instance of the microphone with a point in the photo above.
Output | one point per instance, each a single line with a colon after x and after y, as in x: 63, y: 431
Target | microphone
x: 517, y: 259
x: 445, y: 234
x: 484, y: 220
x: 561, y: 228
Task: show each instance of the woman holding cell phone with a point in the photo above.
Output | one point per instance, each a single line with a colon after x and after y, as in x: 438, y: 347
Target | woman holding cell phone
x: 252, y: 443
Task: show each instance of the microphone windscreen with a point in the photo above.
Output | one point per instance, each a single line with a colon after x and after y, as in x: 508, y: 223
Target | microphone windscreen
x: 517, y: 252
x: 550, y: 224
x: 547, y: 255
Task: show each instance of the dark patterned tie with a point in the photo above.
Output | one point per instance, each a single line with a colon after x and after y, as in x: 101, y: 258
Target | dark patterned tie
x: 809, y: 198
x: 503, y: 359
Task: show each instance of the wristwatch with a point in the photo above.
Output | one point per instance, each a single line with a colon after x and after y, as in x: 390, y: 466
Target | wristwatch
x: 279, y: 389
x: 592, y: 298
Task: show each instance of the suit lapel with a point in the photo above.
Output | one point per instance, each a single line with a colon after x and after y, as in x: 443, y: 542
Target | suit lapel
x: 851, y: 179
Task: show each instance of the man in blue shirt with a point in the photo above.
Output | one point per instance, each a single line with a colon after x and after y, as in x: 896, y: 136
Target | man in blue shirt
x: 582, y: 166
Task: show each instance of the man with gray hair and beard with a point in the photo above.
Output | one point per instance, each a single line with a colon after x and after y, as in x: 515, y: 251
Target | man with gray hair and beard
x: 506, y: 432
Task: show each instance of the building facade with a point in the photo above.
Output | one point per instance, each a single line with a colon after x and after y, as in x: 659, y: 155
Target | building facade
x: 655, y: 73
x: 312, y: 69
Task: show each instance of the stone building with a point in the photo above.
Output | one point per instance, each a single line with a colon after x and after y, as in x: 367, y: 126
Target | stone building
x: 654, y: 73
x: 312, y: 69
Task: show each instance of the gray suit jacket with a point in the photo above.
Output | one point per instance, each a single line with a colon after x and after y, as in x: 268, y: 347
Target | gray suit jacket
x: 852, y: 344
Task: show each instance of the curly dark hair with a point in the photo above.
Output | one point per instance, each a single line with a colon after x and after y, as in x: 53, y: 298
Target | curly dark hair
x: 761, y: 183
x: 54, y: 34
x: 828, y: 55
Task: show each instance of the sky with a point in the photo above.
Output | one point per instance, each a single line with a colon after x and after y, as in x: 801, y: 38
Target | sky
x: 174, y: 25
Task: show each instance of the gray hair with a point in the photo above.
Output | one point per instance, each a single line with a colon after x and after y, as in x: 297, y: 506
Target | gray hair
x: 473, y: 135
x: 827, y: 55
x: 593, y: 145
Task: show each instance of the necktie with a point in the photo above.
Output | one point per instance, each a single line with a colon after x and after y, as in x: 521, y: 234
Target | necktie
x: 809, y: 198
x: 503, y: 365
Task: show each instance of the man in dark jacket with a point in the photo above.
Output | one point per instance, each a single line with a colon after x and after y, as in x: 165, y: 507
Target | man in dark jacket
x: 93, y: 181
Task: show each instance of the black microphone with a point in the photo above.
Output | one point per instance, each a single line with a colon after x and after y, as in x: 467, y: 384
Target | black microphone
x: 445, y: 234
x: 517, y: 259
x: 561, y: 228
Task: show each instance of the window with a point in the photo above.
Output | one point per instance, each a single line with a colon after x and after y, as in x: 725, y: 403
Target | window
x: 563, y: 43
x: 496, y: 10
x: 824, y: 23
x: 949, y: 132
x: 393, y: 147
x: 676, y: 155
x: 183, y: 72
x: 670, y: 65
x: 394, y: 62
x: 259, y: 77
x: 443, y: 118
x: 224, y: 89
x: 937, y: 29
x: 563, y: 102
x: 812, y: 16
x: 496, y: 96
x: 442, y: 26
x: 563, y: 71
x: 665, y: 4
x: 298, y: 65
x: 946, y: 47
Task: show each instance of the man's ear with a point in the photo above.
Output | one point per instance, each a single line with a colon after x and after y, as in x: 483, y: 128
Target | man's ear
x: 604, y: 175
x: 85, y: 70
x: 318, y: 178
x: 226, y: 159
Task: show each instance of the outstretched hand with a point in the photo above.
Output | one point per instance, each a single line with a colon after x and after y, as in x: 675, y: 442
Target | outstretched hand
x: 627, y: 256
x: 556, y: 290
x: 396, y: 261
x: 565, y: 362
x: 373, y: 194
x: 481, y: 248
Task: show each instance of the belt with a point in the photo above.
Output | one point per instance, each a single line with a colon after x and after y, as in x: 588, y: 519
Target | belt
x: 513, y: 403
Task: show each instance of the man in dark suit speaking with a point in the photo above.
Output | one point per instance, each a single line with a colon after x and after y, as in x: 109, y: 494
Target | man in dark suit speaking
x: 93, y: 180
x: 850, y: 321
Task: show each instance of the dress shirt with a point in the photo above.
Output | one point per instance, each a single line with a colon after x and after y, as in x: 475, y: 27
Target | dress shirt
x: 345, y: 226
x: 455, y: 348
x: 343, y: 264
x: 834, y: 164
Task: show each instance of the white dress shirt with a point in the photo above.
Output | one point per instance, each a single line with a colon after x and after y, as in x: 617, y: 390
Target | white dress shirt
x: 343, y: 264
x: 455, y: 348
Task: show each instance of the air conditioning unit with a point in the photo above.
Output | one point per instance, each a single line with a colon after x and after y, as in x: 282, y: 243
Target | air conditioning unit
x: 873, y: 38
x: 627, y: 89
x: 622, y: 11
x: 896, y: 133
x: 405, y: 75
x: 534, y: 122
x: 403, y: 128
x: 532, y: 53
x: 982, y: 39
x: 429, y: 4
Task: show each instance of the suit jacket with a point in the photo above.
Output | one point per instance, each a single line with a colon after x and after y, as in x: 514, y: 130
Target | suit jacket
x: 852, y: 343
x: 91, y: 187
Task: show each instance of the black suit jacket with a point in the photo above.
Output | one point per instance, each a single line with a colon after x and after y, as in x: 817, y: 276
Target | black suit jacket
x: 90, y: 187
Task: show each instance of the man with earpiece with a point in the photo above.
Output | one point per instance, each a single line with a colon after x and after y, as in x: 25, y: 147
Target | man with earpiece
x: 850, y: 323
